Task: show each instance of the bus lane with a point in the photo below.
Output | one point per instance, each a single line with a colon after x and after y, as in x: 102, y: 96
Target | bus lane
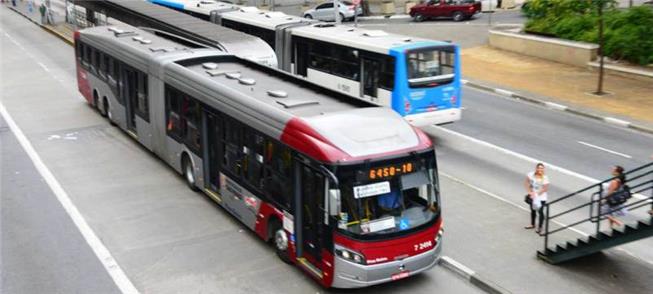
x: 165, y: 237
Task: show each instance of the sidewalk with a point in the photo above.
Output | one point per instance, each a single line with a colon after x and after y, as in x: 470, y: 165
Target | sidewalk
x: 630, y: 99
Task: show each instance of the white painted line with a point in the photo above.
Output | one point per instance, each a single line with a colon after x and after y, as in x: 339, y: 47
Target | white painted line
x: 529, y: 159
x: 456, y: 266
x: 555, y: 106
x: 520, y: 156
x: 44, y: 67
x: 495, y: 196
x: 604, y: 149
x: 504, y: 92
x: 14, y: 41
x: 616, y: 121
x: 117, y: 274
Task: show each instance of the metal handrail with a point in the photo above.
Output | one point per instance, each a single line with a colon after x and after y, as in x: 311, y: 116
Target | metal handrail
x: 600, y: 215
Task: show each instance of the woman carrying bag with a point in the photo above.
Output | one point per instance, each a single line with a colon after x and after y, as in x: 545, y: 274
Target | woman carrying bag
x: 537, y: 185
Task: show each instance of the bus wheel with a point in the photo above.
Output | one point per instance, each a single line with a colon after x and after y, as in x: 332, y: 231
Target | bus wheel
x: 107, y: 110
x: 103, y: 107
x: 281, y: 243
x: 189, y: 175
x: 96, y: 101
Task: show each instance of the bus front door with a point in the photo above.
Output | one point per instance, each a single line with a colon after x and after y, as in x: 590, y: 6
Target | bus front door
x: 311, y: 205
x: 370, y: 79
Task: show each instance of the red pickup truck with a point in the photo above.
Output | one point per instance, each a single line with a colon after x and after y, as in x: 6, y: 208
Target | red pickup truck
x: 457, y: 9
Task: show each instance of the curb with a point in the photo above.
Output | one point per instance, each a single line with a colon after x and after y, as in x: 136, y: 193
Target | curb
x: 471, y: 276
x: 377, y: 17
x: 46, y: 28
x: 560, y: 107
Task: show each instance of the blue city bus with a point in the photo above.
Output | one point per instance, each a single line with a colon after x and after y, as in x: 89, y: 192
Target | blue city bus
x: 418, y: 78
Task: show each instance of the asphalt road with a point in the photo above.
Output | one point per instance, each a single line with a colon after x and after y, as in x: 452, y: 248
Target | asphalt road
x: 170, y: 240
x: 165, y: 237
x: 42, y: 250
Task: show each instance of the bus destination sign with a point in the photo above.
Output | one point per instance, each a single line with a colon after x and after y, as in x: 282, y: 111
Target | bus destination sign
x: 385, y: 172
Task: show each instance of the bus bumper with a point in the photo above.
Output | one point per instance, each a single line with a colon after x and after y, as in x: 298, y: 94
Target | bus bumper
x: 437, y: 117
x: 351, y: 275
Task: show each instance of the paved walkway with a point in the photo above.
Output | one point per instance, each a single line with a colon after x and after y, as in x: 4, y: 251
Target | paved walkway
x: 630, y: 99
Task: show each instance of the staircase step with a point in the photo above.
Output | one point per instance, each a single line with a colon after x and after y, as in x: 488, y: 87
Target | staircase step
x: 571, y: 245
x: 560, y: 248
x: 645, y: 223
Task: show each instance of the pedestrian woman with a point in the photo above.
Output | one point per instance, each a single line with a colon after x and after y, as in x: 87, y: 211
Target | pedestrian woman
x: 613, y: 186
x: 537, y: 185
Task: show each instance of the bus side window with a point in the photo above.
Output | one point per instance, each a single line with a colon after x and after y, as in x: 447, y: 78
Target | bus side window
x: 142, y: 104
x: 94, y: 59
x: 255, y: 144
x: 276, y: 183
x: 86, y: 55
x: 320, y: 57
x: 173, y: 119
x: 190, y: 123
x: 346, y: 63
x: 231, y: 161
x: 387, y: 75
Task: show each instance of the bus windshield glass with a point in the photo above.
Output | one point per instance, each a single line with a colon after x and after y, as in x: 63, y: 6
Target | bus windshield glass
x: 431, y: 67
x: 390, y: 197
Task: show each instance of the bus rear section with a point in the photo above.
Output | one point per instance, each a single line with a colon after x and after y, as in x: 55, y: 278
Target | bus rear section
x: 427, y: 89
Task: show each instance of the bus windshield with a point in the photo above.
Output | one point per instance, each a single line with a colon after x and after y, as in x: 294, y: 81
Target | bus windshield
x: 430, y: 67
x: 392, y: 197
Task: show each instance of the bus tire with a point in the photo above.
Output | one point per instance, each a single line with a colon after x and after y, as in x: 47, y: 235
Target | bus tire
x: 96, y: 100
x: 280, y: 241
x: 458, y: 16
x: 187, y: 170
x: 107, y: 110
x: 419, y: 18
x: 102, y: 108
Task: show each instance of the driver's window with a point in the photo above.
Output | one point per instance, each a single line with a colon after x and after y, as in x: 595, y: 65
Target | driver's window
x: 433, y: 2
x: 325, y: 5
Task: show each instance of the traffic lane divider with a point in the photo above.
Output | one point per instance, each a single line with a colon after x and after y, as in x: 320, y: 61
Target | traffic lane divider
x: 559, y: 107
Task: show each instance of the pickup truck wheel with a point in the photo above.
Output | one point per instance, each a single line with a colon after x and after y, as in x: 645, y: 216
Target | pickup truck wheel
x: 458, y: 16
x: 419, y: 18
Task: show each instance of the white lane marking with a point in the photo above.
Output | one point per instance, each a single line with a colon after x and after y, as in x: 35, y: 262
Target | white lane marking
x: 117, y: 274
x: 605, y: 149
x: 44, y: 67
x: 13, y: 40
x: 561, y: 224
x: 495, y: 196
x: 529, y: 159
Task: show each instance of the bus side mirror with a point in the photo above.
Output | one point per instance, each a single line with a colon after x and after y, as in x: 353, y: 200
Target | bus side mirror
x: 334, y: 202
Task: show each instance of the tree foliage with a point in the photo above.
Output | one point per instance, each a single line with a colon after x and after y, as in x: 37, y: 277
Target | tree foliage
x: 628, y: 34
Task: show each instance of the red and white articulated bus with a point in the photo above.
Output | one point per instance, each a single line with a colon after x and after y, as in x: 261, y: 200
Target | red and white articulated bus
x: 348, y: 194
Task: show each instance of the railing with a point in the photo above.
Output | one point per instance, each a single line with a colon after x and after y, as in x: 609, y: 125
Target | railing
x: 640, y: 180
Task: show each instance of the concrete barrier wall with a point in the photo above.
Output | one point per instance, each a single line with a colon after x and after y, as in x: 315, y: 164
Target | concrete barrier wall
x: 568, y: 52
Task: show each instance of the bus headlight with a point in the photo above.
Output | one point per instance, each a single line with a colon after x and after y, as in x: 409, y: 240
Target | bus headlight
x: 351, y: 256
x: 438, y: 237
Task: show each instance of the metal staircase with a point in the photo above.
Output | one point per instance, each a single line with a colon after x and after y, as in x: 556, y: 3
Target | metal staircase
x: 640, y: 181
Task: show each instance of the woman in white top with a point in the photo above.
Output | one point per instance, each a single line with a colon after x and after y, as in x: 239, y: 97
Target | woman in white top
x: 537, y: 184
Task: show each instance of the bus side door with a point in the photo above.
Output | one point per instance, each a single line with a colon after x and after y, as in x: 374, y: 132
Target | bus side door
x: 310, y: 204
x: 370, y: 79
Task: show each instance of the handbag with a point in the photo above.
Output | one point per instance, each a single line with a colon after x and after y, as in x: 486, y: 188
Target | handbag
x: 620, y: 196
x: 528, y: 199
